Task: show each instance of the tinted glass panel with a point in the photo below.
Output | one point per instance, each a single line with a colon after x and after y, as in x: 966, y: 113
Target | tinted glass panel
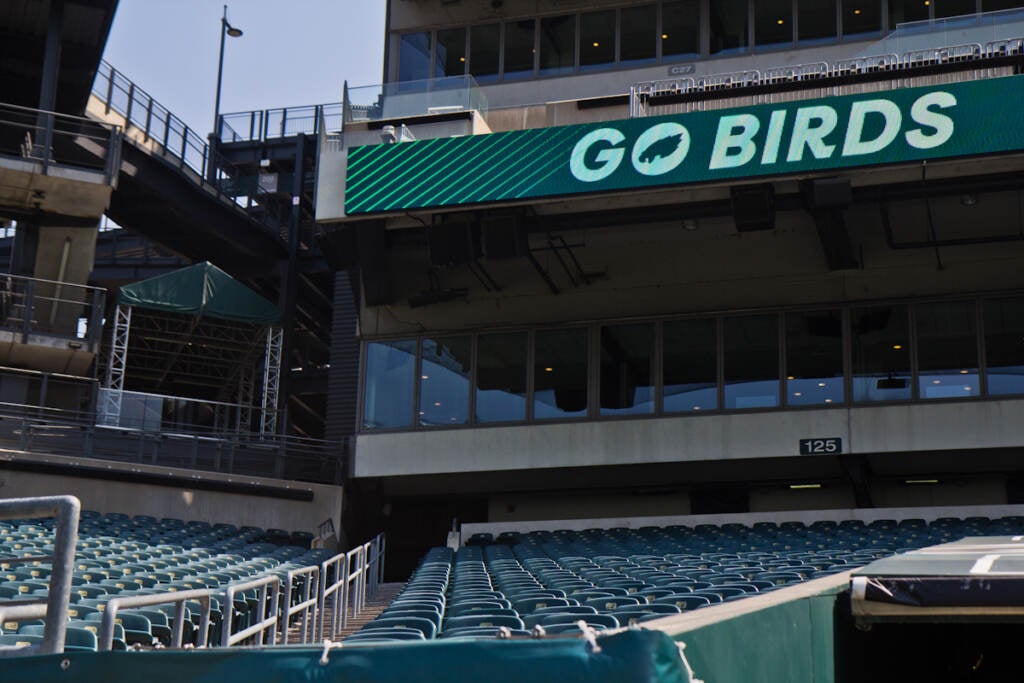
x: 728, y: 26
x: 880, y: 339
x: 861, y: 16
x: 690, y: 365
x: 444, y: 381
x: 414, y: 57
x: 1004, y: 346
x: 638, y: 30
x: 817, y: 20
x: 450, y: 59
x: 751, y: 361
x: 557, y: 44
x: 953, y: 8
x: 597, y: 39
x: 773, y: 22
x: 560, y: 373
x: 947, y: 349
x: 387, y: 393
x: 519, y: 48
x: 483, y: 51
x: 901, y: 11
x: 680, y: 29
x: 627, y: 369
x: 996, y: 5
x: 501, y: 377
x: 814, y: 358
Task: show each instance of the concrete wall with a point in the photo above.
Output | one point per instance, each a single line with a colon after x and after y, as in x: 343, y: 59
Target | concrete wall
x: 108, y: 495
x: 870, y: 429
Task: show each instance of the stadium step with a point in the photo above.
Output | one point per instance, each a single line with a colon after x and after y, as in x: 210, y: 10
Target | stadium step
x: 375, y: 604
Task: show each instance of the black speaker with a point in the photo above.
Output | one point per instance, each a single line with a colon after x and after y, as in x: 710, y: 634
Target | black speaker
x: 827, y: 193
x: 452, y: 244
x: 753, y: 207
x: 503, y: 237
x: 339, y: 247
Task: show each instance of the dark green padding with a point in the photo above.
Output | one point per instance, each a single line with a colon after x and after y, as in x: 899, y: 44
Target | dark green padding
x: 629, y: 657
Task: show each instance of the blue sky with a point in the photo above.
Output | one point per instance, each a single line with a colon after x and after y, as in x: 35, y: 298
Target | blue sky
x: 293, y: 52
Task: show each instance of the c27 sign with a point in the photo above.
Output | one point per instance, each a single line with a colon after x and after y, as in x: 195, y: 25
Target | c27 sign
x: 889, y: 127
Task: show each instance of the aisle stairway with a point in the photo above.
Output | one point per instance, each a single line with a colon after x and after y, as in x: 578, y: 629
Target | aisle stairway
x: 375, y: 604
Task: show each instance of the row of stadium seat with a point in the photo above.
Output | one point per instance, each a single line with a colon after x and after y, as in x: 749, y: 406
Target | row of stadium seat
x: 118, y: 556
x: 607, y: 578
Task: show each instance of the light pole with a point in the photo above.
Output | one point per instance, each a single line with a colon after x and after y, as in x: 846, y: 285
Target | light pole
x: 226, y: 29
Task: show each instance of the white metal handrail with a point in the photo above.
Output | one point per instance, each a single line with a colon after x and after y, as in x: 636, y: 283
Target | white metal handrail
x: 356, y: 575
x: 266, y: 614
x: 308, y: 604
x: 177, y: 598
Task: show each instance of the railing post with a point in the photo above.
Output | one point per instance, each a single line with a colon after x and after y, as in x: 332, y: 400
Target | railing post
x: 128, y: 109
x: 110, y: 89
x: 29, y: 303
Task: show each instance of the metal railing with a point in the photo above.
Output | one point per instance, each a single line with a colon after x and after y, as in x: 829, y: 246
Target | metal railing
x: 267, y: 124
x: 356, y: 575
x: 59, y: 140
x: 34, y: 306
x: 177, y: 598
x: 55, y: 608
x: 266, y: 611
x: 301, y: 587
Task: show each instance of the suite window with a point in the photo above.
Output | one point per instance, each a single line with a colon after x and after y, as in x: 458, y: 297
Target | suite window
x: 414, y: 57
x: 751, y: 346
x: 484, y: 45
x: 1004, y: 346
x: 690, y: 365
x: 501, y: 377
x: 627, y: 369
x: 861, y: 16
x: 519, y: 48
x: 388, y: 389
x: 560, y: 373
x: 814, y: 358
x: 680, y: 29
x: 638, y: 28
x: 728, y: 23
x: 947, y: 349
x: 450, y: 57
x: 816, y: 20
x: 597, y: 39
x: 997, y: 5
x: 557, y: 45
x: 902, y: 11
x: 954, y: 8
x: 444, y: 381
x: 773, y: 22
x: 880, y: 342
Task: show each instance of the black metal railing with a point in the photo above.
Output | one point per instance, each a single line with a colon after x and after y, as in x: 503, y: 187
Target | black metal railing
x: 55, y: 140
x: 268, y: 124
x: 34, y: 306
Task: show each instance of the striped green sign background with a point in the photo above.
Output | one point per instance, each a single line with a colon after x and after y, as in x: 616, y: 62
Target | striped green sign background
x: 987, y: 118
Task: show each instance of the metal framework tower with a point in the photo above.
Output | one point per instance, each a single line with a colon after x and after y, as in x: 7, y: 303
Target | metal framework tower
x: 271, y: 380
x: 111, y: 410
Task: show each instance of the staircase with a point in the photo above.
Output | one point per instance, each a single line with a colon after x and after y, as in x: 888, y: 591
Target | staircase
x: 375, y: 604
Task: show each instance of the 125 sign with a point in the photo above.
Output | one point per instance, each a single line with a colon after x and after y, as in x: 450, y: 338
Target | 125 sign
x: 821, y: 446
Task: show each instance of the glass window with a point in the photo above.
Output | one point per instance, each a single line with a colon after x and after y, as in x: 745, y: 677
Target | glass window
x: 597, y: 39
x: 861, y: 16
x: 387, y: 392
x: 997, y: 5
x: 1004, y: 346
x: 901, y: 11
x: 954, y: 8
x: 557, y: 44
x: 638, y: 31
x: 627, y: 369
x: 444, y: 382
x: 880, y: 340
x: 414, y: 57
x: 501, y: 377
x: 484, y: 42
x: 773, y: 22
x: 519, y: 48
x: 450, y: 59
x: 947, y: 349
x: 690, y: 365
x: 816, y: 20
x: 680, y: 29
x: 814, y: 358
x: 728, y: 26
x: 560, y: 373
x: 751, y: 346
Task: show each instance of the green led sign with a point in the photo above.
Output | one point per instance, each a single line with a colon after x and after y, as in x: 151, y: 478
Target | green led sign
x: 890, y: 127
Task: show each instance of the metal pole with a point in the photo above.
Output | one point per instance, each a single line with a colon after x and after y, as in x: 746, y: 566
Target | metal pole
x: 220, y: 68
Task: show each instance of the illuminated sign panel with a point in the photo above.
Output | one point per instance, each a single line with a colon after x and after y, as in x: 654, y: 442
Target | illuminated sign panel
x: 889, y: 127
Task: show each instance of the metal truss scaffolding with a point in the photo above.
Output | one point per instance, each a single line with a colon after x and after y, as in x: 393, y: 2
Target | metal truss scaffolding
x: 271, y: 380
x: 110, y: 411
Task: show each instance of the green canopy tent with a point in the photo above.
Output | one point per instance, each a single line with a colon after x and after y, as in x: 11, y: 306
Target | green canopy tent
x: 197, y: 326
